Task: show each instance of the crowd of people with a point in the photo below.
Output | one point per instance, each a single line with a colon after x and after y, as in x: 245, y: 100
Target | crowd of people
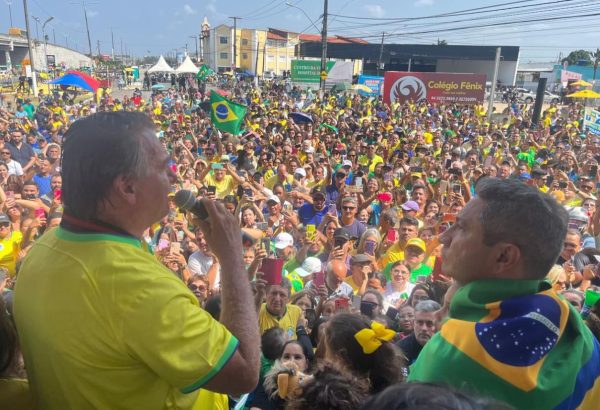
x: 372, y: 238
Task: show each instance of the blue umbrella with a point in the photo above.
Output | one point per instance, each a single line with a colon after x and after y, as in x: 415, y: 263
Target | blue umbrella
x: 158, y: 87
x: 72, y: 80
x: 301, y: 118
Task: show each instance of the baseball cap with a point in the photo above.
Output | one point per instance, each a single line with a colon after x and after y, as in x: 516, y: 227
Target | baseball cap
x: 309, y: 266
x: 525, y: 176
x: 216, y: 165
x: 410, y: 206
x: 274, y: 198
x: 346, y: 163
x: 317, y: 192
x: 359, y: 258
x: 283, y: 240
x: 300, y: 171
x: 4, y: 218
x: 418, y: 243
x: 342, y: 233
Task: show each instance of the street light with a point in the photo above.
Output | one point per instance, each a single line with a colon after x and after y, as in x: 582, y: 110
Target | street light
x: 48, y: 20
x: 307, y: 16
x: 9, y: 3
x: 37, y: 31
x: 196, y: 41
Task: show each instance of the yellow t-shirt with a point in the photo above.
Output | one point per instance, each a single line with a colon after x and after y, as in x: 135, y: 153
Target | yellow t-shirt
x: 224, y: 187
x: 394, y: 253
x: 105, y: 325
x: 288, y: 322
x: 350, y: 281
x: 9, y: 251
x: 270, y: 183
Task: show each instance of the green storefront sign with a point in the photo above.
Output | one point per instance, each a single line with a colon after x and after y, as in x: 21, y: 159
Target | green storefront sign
x: 308, y: 71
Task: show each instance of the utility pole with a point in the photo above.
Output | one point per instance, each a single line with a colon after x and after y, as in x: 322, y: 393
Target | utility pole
x: 53, y: 35
x: 87, y: 28
x: 324, y: 45
x: 494, y: 80
x: 122, y: 50
x: 98, y: 47
x: 30, y: 45
x: 235, y: 19
x: 8, y: 3
x: 112, y: 40
x: 380, y: 53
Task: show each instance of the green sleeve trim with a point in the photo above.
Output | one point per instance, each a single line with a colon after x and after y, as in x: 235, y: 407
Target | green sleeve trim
x: 225, y: 357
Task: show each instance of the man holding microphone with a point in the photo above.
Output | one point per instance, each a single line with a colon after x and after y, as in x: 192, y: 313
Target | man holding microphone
x: 102, y: 323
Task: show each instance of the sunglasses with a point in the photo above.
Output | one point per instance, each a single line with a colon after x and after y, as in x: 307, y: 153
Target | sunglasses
x: 5, y: 152
x: 193, y: 287
x: 4, y: 225
x: 340, y: 175
x: 348, y: 208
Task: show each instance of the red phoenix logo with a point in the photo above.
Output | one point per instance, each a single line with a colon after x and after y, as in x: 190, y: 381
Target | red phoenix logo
x: 408, y: 88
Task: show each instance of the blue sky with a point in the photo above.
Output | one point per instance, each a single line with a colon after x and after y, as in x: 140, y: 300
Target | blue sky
x: 161, y: 26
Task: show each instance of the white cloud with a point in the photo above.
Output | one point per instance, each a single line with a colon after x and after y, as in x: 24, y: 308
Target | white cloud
x: 187, y: 9
x: 421, y: 3
x: 374, y: 10
x: 211, y: 6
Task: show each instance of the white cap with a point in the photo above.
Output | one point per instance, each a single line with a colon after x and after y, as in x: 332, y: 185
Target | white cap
x: 346, y: 163
x: 300, y: 171
x: 309, y: 266
x: 283, y: 240
x: 274, y: 198
x: 309, y: 150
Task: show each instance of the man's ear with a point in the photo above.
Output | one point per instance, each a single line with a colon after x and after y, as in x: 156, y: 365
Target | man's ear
x: 507, y: 258
x: 124, y: 188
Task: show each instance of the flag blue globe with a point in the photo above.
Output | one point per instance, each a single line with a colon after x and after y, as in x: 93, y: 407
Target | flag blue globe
x: 222, y: 111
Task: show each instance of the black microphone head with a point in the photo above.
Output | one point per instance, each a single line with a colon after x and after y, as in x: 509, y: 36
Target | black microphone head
x: 184, y: 199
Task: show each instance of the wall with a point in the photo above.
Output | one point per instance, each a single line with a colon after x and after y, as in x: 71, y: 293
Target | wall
x: 507, y: 70
x: 70, y: 58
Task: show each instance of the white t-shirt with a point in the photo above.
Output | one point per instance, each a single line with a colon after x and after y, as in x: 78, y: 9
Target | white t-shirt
x: 199, y: 263
x: 14, y: 168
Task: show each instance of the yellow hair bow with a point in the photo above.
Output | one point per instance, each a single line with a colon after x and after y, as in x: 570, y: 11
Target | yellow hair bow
x: 370, y: 339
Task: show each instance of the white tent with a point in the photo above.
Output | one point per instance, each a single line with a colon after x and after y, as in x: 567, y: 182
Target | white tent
x: 187, y: 67
x: 161, y: 67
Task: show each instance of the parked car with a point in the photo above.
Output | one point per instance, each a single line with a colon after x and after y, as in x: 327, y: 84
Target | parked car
x: 529, y: 96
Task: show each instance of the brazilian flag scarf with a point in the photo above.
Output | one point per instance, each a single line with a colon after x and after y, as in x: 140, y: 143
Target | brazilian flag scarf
x: 515, y: 341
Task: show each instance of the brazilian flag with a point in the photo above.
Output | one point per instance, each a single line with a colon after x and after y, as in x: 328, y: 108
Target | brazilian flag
x: 516, y: 341
x: 226, y: 115
x: 203, y: 72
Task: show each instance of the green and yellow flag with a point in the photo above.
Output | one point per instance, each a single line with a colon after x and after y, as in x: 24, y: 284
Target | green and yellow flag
x: 516, y: 341
x: 203, y: 72
x: 226, y: 115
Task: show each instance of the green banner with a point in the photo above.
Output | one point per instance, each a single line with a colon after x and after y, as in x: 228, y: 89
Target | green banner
x: 308, y: 71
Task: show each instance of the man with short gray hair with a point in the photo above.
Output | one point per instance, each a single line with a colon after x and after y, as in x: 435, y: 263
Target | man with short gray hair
x: 426, y: 323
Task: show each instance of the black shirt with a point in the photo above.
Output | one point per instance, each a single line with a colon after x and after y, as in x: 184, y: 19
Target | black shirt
x: 410, y: 347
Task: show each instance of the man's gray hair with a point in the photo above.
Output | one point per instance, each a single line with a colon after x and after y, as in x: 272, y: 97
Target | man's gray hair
x: 520, y: 214
x: 427, y: 306
x: 97, y: 150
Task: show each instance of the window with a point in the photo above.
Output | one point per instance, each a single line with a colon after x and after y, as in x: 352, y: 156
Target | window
x: 223, y: 56
x: 244, y: 41
x: 282, y: 57
x: 270, y: 58
x: 223, y: 40
x: 244, y: 56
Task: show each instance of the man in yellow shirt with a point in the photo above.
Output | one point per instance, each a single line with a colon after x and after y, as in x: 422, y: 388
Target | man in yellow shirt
x: 276, y: 312
x: 105, y: 324
x: 223, y: 178
x: 361, y: 267
x: 281, y: 177
x: 409, y: 228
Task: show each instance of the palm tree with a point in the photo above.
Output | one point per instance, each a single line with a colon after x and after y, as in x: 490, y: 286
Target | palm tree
x: 596, y: 56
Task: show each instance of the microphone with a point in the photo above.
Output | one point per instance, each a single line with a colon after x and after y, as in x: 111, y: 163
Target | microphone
x: 186, y: 200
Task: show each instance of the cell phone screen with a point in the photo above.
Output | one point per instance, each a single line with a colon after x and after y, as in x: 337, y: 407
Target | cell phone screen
x: 271, y: 269
x: 370, y: 247
x: 391, y: 235
x: 211, y: 189
x: 319, y: 279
